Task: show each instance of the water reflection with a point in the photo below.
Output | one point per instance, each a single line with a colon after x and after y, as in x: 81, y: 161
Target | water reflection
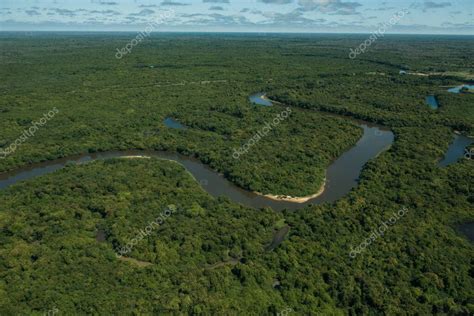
x: 432, y: 102
x: 341, y: 176
x: 171, y: 123
x: 456, y: 150
x: 459, y: 88
x: 260, y: 99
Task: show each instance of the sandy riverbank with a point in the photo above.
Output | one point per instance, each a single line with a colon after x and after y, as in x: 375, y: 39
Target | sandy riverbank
x: 135, y: 157
x: 295, y: 199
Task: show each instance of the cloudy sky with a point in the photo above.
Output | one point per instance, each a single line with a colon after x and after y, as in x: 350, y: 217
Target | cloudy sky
x: 315, y: 16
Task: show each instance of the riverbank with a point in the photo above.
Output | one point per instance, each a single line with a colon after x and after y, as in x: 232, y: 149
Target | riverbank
x: 373, y: 141
x: 135, y: 157
x: 295, y: 199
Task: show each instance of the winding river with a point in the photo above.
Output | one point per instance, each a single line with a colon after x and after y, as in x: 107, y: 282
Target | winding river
x: 341, y: 176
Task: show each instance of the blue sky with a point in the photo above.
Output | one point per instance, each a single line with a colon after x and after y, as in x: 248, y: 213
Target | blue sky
x: 315, y: 16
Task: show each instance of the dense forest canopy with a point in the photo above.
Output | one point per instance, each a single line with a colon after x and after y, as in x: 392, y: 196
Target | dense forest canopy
x: 209, y: 256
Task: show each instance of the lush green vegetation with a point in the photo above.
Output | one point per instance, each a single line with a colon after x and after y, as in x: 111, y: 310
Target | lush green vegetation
x: 105, y: 103
x: 50, y: 256
x: 209, y: 258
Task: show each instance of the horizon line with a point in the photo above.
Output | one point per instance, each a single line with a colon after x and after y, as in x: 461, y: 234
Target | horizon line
x: 227, y: 32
